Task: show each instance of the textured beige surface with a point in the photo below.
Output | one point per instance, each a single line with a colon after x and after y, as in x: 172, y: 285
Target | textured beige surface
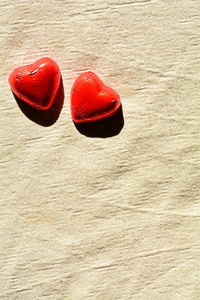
x: 92, y: 218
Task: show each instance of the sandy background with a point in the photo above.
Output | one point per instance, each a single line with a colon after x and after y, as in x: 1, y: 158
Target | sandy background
x: 94, y: 218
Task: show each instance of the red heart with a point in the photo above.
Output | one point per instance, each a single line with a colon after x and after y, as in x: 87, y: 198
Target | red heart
x: 92, y: 100
x: 36, y: 84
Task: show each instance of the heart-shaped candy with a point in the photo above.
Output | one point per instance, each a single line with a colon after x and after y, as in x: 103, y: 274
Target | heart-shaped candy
x: 37, y: 84
x: 92, y: 100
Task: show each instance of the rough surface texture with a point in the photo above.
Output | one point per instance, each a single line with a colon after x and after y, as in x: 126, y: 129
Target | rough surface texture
x: 93, y: 218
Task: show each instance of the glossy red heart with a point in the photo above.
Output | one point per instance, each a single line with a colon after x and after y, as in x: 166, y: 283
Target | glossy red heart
x: 92, y: 100
x: 36, y: 84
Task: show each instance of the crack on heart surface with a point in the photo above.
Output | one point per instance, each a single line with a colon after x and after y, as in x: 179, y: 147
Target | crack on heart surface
x: 83, y: 113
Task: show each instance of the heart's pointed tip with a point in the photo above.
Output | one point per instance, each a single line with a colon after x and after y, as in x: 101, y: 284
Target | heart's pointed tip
x: 98, y: 117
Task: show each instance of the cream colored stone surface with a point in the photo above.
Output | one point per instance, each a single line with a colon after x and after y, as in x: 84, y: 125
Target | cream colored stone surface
x: 93, y: 218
